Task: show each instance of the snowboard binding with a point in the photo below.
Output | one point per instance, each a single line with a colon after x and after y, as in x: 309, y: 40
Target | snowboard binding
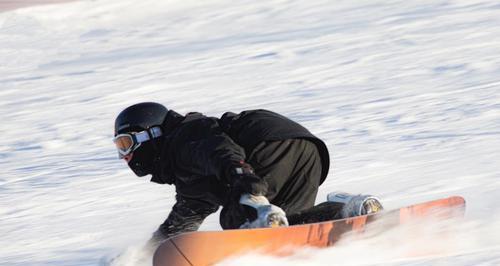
x: 268, y: 215
x: 355, y: 205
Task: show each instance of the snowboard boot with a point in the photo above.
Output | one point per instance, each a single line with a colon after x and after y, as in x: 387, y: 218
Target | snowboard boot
x: 355, y: 205
x: 268, y: 215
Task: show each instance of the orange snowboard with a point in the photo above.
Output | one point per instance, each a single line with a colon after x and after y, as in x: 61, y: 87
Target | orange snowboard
x: 208, y: 248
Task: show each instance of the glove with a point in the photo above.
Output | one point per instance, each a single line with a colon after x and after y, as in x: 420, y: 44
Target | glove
x: 244, y: 180
x: 268, y: 215
x: 155, y: 241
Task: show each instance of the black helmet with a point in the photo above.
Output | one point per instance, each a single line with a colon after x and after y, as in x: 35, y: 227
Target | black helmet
x: 136, y: 118
x: 140, y: 117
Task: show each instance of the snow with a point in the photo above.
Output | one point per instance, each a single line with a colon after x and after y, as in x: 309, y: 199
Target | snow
x: 405, y: 93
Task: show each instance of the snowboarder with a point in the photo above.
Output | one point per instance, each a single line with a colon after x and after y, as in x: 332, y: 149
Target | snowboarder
x: 261, y: 167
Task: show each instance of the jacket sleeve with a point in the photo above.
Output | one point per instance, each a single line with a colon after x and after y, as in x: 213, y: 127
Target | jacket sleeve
x: 186, y: 216
x: 213, y: 155
x: 218, y: 155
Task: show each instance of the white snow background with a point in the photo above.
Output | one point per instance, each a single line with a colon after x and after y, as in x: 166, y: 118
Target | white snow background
x: 405, y: 93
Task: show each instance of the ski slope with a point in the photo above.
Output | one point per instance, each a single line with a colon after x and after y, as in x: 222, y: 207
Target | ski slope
x: 405, y: 93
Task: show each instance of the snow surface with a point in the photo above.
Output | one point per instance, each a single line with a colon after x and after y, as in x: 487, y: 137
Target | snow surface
x: 405, y: 93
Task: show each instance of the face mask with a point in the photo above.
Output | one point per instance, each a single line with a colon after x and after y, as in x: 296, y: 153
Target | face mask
x: 142, y: 161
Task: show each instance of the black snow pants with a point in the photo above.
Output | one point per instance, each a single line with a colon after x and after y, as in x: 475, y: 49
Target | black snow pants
x: 292, y: 170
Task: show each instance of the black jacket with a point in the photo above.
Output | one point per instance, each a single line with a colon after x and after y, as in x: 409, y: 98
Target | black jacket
x: 199, y: 153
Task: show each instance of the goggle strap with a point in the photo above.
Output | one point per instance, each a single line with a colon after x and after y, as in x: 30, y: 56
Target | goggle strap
x: 155, y: 132
x: 144, y: 135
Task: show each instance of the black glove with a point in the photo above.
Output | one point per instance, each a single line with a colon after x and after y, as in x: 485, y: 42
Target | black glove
x: 243, y: 180
x: 155, y: 241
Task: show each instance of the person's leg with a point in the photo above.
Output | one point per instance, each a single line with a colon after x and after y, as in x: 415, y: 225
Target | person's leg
x: 325, y: 211
x: 292, y: 169
x: 337, y: 206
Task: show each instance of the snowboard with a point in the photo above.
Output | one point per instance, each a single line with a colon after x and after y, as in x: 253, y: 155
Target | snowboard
x: 210, y: 247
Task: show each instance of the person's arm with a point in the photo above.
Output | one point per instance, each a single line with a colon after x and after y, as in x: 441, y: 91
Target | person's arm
x: 218, y: 155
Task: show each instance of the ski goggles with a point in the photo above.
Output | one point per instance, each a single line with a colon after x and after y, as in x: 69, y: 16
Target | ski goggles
x: 128, y: 142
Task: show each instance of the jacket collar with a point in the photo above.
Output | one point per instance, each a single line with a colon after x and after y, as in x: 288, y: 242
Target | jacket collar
x: 172, y: 120
x: 161, y: 173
